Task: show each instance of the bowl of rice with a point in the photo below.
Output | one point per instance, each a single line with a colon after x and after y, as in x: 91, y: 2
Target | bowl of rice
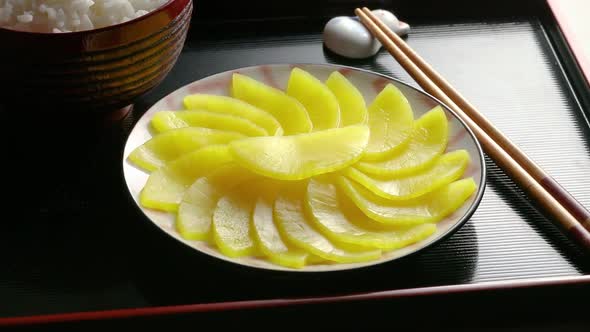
x: 88, y: 55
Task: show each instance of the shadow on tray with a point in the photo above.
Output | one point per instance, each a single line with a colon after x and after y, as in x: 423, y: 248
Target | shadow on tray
x: 168, y: 272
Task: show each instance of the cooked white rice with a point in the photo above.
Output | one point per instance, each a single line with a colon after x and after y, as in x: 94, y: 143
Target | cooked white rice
x: 71, y: 15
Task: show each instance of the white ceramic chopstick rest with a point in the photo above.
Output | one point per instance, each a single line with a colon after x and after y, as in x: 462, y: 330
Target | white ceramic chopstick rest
x: 348, y: 37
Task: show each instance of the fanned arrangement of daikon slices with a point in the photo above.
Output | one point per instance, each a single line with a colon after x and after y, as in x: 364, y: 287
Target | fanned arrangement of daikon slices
x: 308, y: 175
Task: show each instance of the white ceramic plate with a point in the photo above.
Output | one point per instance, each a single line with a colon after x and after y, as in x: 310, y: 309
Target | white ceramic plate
x: 369, y: 84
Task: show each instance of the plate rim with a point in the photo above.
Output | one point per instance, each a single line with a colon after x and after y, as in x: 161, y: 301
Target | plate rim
x: 365, y: 265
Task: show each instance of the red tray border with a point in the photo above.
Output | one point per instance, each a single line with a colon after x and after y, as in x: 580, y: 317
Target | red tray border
x: 574, y: 40
x: 274, y: 303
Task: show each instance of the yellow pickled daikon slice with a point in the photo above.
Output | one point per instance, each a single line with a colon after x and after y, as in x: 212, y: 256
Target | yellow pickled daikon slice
x: 301, y: 156
x: 267, y: 235
x: 339, y: 219
x: 428, y: 208
x: 287, y: 110
x: 172, y: 144
x: 353, y: 109
x: 167, y: 120
x: 234, y: 106
x: 231, y: 223
x: 195, y: 211
x: 320, y: 103
x: 446, y: 169
x: 166, y: 186
x: 428, y: 140
x: 390, y: 119
x: 292, y: 222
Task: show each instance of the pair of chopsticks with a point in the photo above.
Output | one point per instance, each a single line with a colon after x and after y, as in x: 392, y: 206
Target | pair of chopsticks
x: 572, y: 216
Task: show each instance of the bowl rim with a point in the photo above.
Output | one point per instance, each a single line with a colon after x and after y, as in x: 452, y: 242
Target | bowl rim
x: 361, y: 266
x: 156, y: 11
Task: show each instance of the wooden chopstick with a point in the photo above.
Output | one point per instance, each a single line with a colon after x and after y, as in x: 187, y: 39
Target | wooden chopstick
x: 575, y: 221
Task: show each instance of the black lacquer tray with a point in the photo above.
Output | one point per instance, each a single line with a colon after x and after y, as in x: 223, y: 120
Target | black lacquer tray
x: 77, y: 249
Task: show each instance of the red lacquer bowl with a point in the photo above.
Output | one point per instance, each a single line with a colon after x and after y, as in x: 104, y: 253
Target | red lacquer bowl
x: 100, y: 69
